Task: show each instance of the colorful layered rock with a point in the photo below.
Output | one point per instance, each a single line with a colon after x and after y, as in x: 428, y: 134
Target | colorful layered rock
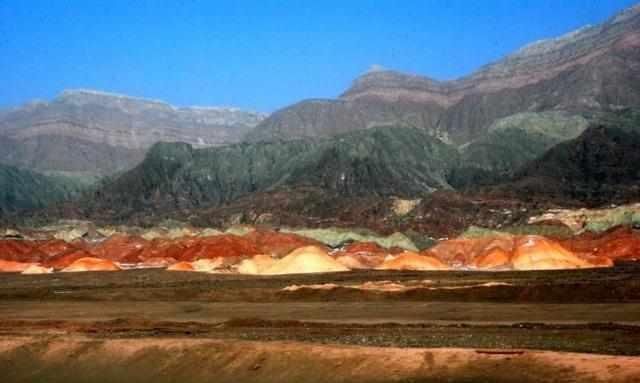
x: 120, y: 248
x: 279, y: 244
x: 20, y: 251
x: 61, y: 261
x: 308, y: 259
x: 37, y: 269
x: 225, y: 246
x: 256, y: 265
x: 181, y: 266
x: 364, y: 255
x: 461, y: 252
x: 91, y: 264
x: 409, y: 260
x: 13, y: 267
x: 618, y: 244
x: 538, y: 253
x: 272, y: 252
x: 54, y: 247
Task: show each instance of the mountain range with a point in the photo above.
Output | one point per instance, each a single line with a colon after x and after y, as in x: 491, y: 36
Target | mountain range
x: 557, y: 121
x: 593, y: 68
x: 85, y: 132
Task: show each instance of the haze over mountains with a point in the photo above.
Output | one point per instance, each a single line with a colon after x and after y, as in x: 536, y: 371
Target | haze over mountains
x: 85, y: 132
x: 389, y: 135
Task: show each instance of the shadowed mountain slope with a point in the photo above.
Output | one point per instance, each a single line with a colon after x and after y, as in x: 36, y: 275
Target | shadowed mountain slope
x: 600, y: 166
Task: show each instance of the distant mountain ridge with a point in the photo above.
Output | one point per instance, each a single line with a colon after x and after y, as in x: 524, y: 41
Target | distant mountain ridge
x: 529, y: 160
x: 532, y: 124
x: 593, y: 68
x: 97, y: 133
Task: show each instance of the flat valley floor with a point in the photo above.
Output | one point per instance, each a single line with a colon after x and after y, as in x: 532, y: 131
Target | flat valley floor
x: 159, y: 326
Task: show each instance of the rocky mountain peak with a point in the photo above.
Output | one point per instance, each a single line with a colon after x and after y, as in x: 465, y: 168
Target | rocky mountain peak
x: 80, y: 97
x: 393, y: 85
x: 213, y: 114
x: 572, y: 46
x: 386, y: 78
x: 555, y: 43
x: 529, y: 64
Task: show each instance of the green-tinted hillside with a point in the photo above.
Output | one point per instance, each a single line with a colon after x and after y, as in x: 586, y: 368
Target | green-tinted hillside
x: 599, y: 167
x: 381, y: 161
x: 511, y: 143
x: 22, y: 189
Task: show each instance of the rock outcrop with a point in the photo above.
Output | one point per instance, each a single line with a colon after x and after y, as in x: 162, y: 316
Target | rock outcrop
x: 13, y: 267
x: 91, y: 264
x: 256, y: 265
x: 409, y: 260
x: 617, y: 244
x: 308, y: 259
x: 181, y: 266
x: 537, y: 253
x: 37, y: 269
x: 514, y: 252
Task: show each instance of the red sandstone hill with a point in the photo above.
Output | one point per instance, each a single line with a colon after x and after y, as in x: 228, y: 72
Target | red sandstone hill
x: 495, y: 252
x: 513, y: 252
x: 91, y: 264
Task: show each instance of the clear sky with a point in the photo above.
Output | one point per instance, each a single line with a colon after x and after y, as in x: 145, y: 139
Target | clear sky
x: 261, y: 54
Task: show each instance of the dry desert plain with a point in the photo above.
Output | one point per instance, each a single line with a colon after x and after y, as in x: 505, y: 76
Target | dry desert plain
x: 357, y: 326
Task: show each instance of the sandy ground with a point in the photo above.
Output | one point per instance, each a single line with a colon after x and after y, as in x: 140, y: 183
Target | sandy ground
x: 333, y: 312
x: 156, y: 326
x: 75, y: 359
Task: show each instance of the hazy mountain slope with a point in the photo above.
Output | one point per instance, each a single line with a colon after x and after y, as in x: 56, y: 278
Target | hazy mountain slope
x: 326, y: 118
x: 353, y: 179
x: 22, y: 189
x: 89, y: 132
x: 627, y: 118
x: 379, y: 161
x: 392, y: 161
x: 594, y: 68
x: 61, y: 154
x: 513, y: 141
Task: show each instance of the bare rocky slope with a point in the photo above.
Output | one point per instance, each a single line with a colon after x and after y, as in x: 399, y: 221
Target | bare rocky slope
x: 594, y: 68
x: 84, y: 132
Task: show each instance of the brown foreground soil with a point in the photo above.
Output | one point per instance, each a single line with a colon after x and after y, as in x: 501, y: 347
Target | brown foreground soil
x: 595, y: 338
x: 159, y: 326
x: 80, y: 359
x: 616, y: 285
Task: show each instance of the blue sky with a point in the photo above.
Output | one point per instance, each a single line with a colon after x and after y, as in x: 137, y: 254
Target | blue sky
x: 261, y: 54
